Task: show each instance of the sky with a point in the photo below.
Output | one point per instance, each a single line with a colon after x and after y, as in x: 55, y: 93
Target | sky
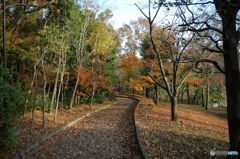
x: 123, y: 10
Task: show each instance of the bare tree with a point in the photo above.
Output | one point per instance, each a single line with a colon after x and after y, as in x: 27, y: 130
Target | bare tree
x: 219, y: 21
x: 172, y: 86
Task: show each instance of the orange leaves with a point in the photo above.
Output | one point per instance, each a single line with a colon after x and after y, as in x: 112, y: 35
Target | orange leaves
x: 85, y: 78
x: 156, y: 74
x: 101, y: 80
x: 196, y: 80
x: 147, y: 79
x: 88, y: 79
x: 130, y: 63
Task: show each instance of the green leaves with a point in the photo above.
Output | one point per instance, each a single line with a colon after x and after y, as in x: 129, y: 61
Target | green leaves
x: 11, y: 106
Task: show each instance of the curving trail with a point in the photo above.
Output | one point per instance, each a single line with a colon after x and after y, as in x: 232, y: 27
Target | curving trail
x: 106, y: 134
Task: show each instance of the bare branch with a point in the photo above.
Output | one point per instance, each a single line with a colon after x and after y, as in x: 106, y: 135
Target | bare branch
x: 159, y: 6
x: 142, y: 11
x: 211, y: 50
x: 209, y: 61
x: 182, y: 80
x: 157, y: 83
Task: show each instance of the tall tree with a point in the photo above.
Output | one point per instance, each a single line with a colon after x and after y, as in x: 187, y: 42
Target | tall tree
x: 176, y: 46
x: 219, y: 21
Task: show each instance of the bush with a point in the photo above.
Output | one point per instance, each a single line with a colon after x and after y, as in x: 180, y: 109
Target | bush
x: 11, y: 106
x: 100, y: 96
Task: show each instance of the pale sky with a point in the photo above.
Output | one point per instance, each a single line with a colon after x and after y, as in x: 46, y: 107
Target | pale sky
x: 123, y: 10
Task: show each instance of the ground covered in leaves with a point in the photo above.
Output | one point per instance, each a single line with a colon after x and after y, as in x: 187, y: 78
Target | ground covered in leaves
x: 64, y: 116
x: 196, y: 132
x: 108, y: 133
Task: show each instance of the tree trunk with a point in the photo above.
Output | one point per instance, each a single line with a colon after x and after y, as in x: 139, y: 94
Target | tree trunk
x: 228, y: 13
x: 33, y: 114
x: 173, y: 100
x: 63, y: 62
x: 55, y: 87
x: 74, y: 91
x: 195, y: 97
x: 92, y: 97
x: 182, y: 94
x: 156, y: 95
x: 188, y: 94
x: 44, y: 96
x: 144, y: 91
x: 147, y: 92
x: 207, y: 97
x: 203, y: 99
x: 57, y: 104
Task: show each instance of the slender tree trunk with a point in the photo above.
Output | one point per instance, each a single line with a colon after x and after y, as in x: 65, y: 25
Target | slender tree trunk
x: 188, y: 94
x: 63, y: 63
x: 92, y: 97
x: 58, y: 96
x: 144, y: 91
x: 195, y: 96
x: 63, y: 94
x: 157, y: 94
x: 182, y: 93
x: 203, y: 99
x: 207, y: 97
x: 32, y: 82
x: 44, y: 97
x: 57, y: 104
x: 160, y: 95
x: 48, y: 91
x: 55, y: 87
x: 33, y: 114
x: 173, y: 100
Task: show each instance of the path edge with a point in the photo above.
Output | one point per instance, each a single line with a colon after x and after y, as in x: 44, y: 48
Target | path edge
x: 40, y: 142
x: 143, y: 150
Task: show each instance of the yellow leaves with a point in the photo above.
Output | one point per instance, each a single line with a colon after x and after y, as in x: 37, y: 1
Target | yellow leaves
x: 140, y: 82
x: 136, y: 84
x: 147, y: 79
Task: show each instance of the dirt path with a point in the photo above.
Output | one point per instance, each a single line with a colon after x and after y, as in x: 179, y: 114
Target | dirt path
x: 106, y: 134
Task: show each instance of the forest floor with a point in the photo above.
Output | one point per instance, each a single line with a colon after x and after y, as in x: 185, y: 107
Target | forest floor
x: 108, y: 133
x: 196, y: 132
x: 64, y: 117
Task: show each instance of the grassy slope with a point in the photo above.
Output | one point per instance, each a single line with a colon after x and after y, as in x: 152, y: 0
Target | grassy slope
x: 193, y: 136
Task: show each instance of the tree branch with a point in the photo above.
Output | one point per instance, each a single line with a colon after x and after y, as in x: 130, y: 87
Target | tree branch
x: 214, y: 63
x: 157, y: 83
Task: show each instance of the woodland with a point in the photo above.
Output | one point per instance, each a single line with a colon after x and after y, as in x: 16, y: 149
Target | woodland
x: 58, y: 55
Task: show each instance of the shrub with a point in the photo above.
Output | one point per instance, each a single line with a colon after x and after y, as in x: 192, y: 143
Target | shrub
x: 11, y: 106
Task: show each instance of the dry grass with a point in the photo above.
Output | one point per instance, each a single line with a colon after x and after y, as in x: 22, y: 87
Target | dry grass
x: 193, y: 136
